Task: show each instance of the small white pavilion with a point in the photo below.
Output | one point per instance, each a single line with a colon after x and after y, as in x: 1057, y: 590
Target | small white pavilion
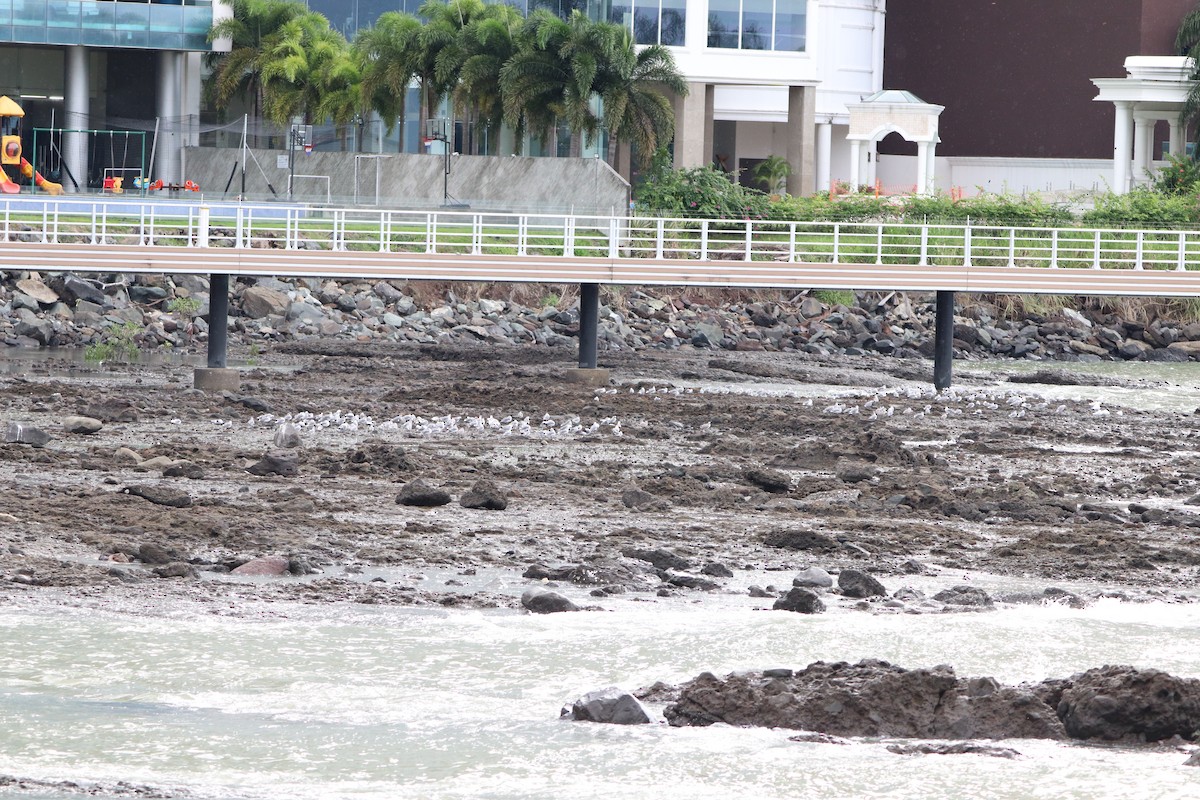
x: 1155, y: 88
x: 894, y: 111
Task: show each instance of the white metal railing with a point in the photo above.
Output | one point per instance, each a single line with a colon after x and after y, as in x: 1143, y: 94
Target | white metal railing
x: 65, y: 221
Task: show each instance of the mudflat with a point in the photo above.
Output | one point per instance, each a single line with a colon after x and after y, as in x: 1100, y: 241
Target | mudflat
x: 689, y: 466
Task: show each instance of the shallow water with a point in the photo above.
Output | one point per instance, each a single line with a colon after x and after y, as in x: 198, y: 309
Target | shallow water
x: 369, y: 702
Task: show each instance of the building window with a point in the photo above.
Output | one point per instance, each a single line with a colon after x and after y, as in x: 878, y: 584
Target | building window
x: 757, y: 24
x: 652, y: 21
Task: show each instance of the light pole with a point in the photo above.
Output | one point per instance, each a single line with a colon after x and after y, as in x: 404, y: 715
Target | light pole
x: 299, y: 135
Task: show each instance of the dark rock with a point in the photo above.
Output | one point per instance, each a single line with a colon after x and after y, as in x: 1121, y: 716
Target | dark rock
x: 150, y: 553
x: 276, y: 463
x: 800, y: 600
x: 716, y: 570
x: 540, y: 601
x: 176, y: 569
x: 420, y: 493
x: 870, y: 698
x: 1122, y: 702
x: 484, y: 495
x: 145, y: 295
x: 643, y: 501
x: 855, y: 583
x: 800, y: 540
x: 855, y: 471
x: 611, y: 705
x: 117, y: 410
x: 602, y: 572
x: 691, y: 582
x: 958, y: 748
x: 298, y: 565
x: 264, y: 565
x: 964, y: 596
x: 659, y: 557
x: 183, y: 469
x: 72, y: 289
x: 758, y: 591
x: 769, y: 480
x: 160, y: 495
x: 254, y: 404
x: 21, y: 433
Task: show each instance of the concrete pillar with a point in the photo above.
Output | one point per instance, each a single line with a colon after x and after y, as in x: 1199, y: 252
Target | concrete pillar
x: 1176, y: 145
x: 855, y: 164
x: 872, y: 164
x: 931, y: 169
x: 943, y: 341
x: 824, y: 166
x: 168, y: 147
x: 709, y: 95
x: 922, y: 167
x: 801, y: 139
x: 75, y: 102
x: 1143, y: 141
x: 690, y: 135
x: 1122, y: 141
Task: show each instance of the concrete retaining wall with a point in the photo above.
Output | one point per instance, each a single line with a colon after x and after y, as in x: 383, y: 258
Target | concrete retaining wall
x: 485, y: 183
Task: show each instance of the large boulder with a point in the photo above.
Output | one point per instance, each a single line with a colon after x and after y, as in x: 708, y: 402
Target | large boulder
x: 611, y: 705
x: 1122, y: 702
x: 259, y: 302
x: 870, y: 698
x: 800, y: 600
x: 485, y: 495
x: 856, y: 583
x: 420, y: 493
x: 541, y: 601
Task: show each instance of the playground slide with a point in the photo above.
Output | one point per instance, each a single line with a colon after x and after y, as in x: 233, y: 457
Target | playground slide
x: 8, y: 186
x: 49, y: 187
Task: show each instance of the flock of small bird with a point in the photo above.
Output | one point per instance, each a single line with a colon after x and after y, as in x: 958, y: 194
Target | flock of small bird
x: 950, y: 403
x: 416, y: 425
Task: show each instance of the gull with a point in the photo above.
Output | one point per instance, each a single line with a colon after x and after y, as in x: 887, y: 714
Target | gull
x: 836, y: 408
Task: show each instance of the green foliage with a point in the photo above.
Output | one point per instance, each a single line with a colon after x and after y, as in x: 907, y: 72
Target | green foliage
x: 847, y: 208
x: 1143, y: 207
x: 120, y: 344
x: 835, y: 297
x: 698, y: 192
x: 994, y: 209
x: 1180, y: 176
x: 186, y: 306
x: 773, y: 171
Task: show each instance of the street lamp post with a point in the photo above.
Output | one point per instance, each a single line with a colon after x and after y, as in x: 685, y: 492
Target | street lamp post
x: 299, y: 135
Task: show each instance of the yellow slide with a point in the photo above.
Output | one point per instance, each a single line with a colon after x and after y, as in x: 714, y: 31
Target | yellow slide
x: 49, y: 187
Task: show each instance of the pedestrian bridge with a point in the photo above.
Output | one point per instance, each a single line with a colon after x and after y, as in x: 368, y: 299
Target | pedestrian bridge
x: 225, y: 239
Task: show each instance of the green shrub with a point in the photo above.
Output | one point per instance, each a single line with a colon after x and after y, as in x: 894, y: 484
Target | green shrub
x: 697, y: 192
x: 1179, y: 176
x: 119, y: 345
x: 1143, y: 207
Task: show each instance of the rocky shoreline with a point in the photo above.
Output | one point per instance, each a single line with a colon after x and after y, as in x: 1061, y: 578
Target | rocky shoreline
x: 156, y: 311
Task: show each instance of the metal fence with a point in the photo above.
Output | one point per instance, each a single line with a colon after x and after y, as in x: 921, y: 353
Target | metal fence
x: 180, y: 224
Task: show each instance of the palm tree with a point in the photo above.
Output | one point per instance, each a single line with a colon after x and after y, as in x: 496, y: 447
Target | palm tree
x: 486, y: 44
x: 306, y: 59
x: 633, y: 86
x: 388, y: 55
x: 439, y: 56
x: 1187, y: 43
x: 533, y: 79
x: 253, y: 29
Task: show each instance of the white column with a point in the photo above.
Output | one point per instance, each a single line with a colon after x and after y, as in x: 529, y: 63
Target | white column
x: 931, y: 169
x: 1176, y: 144
x: 872, y: 164
x: 922, y: 167
x: 168, y: 147
x: 824, y: 155
x: 689, y: 127
x: 75, y: 102
x: 1122, y: 141
x: 1143, y: 141
x: 855, y: 164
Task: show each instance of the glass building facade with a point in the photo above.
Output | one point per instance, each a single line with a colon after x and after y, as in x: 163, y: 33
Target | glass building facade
x: 141, y: 24
x: 778, y: 25
x: 757, y: 24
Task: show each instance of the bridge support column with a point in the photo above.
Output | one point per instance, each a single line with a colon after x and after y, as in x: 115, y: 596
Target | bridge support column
x: 589, y: 328
x: 943, y: 341
x: 217, y: 377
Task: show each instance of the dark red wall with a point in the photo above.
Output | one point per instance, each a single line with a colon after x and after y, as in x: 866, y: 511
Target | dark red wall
x: 1015, y: 75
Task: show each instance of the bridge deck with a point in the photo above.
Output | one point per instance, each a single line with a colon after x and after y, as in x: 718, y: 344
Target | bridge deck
x: 81, y: 236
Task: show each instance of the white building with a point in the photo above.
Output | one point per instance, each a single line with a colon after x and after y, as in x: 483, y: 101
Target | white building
x: 82, y: 65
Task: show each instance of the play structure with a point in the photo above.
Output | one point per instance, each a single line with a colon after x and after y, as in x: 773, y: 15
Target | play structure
x: 11, y: 115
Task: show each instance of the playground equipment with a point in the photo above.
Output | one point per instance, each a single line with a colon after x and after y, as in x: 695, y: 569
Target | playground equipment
x: 11, y: 115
